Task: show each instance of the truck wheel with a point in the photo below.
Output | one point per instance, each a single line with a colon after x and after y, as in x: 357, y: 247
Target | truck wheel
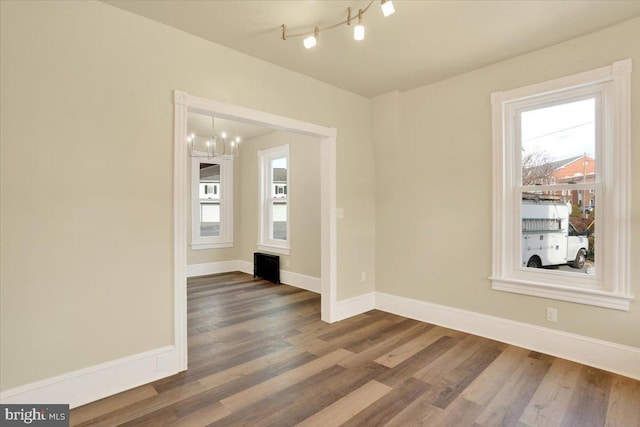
x: 581, y: 257
x: 534, y: 262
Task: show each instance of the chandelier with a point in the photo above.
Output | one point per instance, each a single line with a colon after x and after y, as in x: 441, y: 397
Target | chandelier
x: 213, y: 146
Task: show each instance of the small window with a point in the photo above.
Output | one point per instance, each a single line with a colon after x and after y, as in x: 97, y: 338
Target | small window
x: 560, y: 147
x: 212, y: 203
x: 274, y: 204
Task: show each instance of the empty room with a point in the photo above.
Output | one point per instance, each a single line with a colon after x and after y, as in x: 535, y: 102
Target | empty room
x: 346, y: 212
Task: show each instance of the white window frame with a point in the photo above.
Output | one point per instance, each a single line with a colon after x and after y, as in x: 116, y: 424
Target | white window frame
x: 266, y: 185
x: 611, y: 286
x: 225, y: 192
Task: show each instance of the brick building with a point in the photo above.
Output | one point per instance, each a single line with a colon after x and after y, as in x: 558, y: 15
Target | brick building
x: 576, y: 170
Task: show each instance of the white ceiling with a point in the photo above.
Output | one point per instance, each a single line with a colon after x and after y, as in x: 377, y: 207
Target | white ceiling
x: 202, y: 126
x: 423, y: 42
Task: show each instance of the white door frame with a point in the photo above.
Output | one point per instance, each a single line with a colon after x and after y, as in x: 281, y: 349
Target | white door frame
x: 184, y: 103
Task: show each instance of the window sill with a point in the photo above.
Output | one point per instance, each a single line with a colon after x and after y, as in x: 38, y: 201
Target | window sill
x: 276, y: 249
x: 544, y: 290
x: 198, y: 246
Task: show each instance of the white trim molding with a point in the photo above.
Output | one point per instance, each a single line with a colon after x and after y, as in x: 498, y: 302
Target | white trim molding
x: 290, y: 278
x: 301, y: 281
x: 225, y: 204
x: 244, y: 266
x: 97, y: 382
x: 185, y: 103
x: 609, y: 356
x: 612, y: 357
x: 204, y: 269
x: 275, y: 249
x: 356, y: 305
x: 266, y: 200
x: 610, y: 286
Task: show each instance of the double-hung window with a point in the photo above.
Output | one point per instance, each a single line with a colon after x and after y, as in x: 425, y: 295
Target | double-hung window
x: 561, y: 211
x: 274, y: 226
x: 211, y: 203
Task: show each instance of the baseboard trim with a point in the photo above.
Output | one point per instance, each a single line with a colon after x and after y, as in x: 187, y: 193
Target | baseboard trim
x: 354, y: 306
x: 194, y: 270
x: 612, y: 357
x: 244, y: 266
x: 96, y: 382
x: 300, y: 281
x: 297, y: 280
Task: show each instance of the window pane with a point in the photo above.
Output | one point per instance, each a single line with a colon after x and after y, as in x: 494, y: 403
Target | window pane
x: 210, y: 219
x: 209, y: 181
x: 558, y: 230
x: 558, y: 143
x: 279, y: 177
x: 279, y: 220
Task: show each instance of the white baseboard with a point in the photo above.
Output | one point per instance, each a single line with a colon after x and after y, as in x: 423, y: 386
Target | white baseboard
x: 300, y: 281
x: 354, y: 306
x: 194, y: 270
x: 612, y: 357
x: 297, y: 280
x: 244, y: 266
x: 96, y: 382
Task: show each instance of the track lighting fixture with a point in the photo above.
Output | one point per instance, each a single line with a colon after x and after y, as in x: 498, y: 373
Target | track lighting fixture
x: 311, y: 37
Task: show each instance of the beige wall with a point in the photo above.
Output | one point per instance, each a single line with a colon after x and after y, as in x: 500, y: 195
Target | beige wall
x: 86, y: 273
x: 433, y: 200
x: 304, y: 199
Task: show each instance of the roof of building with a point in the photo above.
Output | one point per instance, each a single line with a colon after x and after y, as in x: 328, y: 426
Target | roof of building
x: 564, y: 162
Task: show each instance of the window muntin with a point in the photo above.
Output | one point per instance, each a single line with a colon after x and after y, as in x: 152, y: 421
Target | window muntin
x: 605, y: 93
x: 274, y: 212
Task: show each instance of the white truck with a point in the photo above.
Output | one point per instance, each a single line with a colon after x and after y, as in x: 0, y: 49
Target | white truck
x: 547, y: 236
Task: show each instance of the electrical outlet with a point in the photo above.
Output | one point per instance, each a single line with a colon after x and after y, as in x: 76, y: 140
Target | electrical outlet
x: 286, y: 262
x: 552, y: 315
x: 363, y: 276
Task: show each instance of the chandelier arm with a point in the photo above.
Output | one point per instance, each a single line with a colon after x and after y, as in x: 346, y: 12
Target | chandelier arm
x: 285, y: 35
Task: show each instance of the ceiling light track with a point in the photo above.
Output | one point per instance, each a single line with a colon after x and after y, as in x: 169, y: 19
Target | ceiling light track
x: 358, y: 33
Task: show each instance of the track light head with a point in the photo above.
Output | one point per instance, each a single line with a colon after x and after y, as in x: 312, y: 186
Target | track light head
x: 358, y: 30
x: 311, y: 41
x: 387, y: 7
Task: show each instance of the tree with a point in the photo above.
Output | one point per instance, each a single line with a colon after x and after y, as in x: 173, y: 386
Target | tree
x: 537, y: 167
x: 575, y: 211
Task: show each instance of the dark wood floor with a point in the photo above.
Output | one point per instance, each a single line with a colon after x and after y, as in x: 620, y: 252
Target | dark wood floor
x: 259, y: 355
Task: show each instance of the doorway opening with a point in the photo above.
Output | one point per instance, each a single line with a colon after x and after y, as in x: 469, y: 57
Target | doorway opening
x: 184, y: 104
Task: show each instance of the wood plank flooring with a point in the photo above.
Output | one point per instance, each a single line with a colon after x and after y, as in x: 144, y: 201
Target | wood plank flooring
x: 259, y: 355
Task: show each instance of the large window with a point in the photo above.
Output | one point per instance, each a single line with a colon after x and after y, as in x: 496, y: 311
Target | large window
x: 561, y: 188
x: 212, y: 203
x: 274, y: 203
